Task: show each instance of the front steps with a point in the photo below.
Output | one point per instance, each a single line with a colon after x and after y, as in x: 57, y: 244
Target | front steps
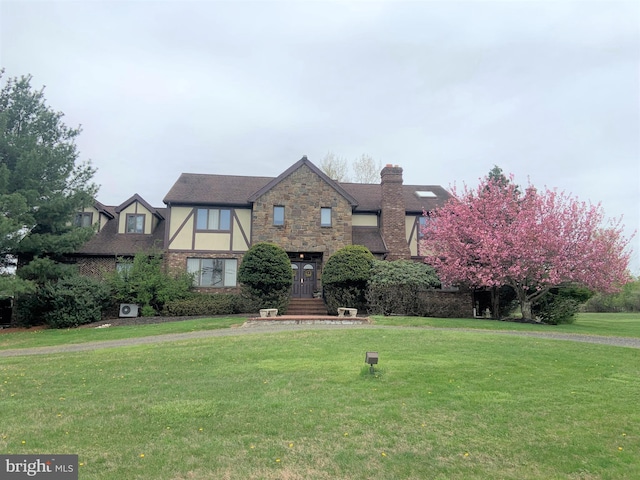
x: 303, y: 307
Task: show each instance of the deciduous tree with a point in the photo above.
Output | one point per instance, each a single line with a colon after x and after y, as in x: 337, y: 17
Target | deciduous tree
x: 530, y: 240
x: 335, y: 167
x: 366, y: 170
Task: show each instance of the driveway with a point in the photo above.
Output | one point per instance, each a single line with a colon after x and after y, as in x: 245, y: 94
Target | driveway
x: 258, y: 330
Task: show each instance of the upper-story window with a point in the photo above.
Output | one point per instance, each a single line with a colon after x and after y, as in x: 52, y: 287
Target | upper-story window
x: 135, y: 223
x: 213, y: 219
x: 83, y: 219
x: 278, y: 215
x: 325, y: 217
x: 423, y: 221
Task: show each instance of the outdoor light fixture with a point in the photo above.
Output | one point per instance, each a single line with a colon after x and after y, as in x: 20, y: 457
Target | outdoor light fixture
x: 372, y: 359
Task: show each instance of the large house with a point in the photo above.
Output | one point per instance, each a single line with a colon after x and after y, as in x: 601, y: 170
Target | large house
x: 210, y: 221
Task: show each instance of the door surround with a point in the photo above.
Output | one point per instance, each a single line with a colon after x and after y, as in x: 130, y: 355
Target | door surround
x: 305, y: 267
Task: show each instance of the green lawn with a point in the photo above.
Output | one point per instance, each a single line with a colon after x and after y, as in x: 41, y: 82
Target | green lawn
x: 40, y: 338
x: 618, y: 324
x: 443, y: 404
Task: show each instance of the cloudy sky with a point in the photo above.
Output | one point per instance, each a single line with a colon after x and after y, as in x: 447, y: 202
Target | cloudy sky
x: 547, y: 90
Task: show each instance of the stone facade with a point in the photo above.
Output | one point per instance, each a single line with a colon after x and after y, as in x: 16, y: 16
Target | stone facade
x: 392, y: 218
x: 303, y: 194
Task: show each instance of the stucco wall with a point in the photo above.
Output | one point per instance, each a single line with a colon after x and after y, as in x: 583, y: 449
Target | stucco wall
x: 184, y: 236
x: 136, y: 208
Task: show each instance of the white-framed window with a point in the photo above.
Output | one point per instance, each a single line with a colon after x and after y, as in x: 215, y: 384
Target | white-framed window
x: 213, y: 219
x: 135, y: 223
x: 278, y: 215
x: 213, y: 272
x: 83, y: 219
x: 325, y: 217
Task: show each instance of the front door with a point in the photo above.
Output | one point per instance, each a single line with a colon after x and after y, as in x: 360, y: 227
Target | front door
x: 304, y: 279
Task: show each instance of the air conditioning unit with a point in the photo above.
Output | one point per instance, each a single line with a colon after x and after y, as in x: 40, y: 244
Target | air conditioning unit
x: 128, y: 310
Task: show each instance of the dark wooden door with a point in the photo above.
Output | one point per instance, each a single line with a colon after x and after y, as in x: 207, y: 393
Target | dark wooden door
x: 304, y: 279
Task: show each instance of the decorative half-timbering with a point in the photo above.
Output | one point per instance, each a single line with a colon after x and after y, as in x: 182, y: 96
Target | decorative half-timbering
x: 211, y: 220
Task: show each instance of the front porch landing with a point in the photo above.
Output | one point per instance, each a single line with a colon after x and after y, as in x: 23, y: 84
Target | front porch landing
x: 305, y: 320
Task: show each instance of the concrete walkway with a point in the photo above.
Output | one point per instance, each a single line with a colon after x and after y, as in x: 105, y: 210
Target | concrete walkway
x: 272, y: 328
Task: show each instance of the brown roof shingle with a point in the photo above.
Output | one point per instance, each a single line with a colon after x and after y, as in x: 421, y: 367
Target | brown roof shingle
x: 369, y: 237
x: 235, y: 190
x: 204, y: 189
x: 108, y: 242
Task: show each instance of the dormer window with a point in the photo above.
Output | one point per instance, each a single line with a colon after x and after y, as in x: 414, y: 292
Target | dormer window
x: 135, y: 223
x: 83, y: 219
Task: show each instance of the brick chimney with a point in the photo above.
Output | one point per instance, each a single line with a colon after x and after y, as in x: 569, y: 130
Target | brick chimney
x: 393, y: 213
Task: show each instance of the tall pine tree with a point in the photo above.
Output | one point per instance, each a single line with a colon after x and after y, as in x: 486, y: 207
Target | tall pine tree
x: 42, y: 182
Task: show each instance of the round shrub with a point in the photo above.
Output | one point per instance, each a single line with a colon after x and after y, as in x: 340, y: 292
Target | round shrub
x: 345, y: 277
x: 265, y: 277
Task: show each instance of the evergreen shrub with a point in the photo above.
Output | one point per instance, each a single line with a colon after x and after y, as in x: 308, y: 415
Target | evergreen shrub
x: 74, y: 301
x: 205, y: 304
x: 395, y: 287
x: 345, y: 277
x: 266, y: 278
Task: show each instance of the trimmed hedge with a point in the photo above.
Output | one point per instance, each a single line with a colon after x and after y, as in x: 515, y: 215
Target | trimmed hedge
x: 439, y: 304
x: 204, y: 304
x: 394, y: 287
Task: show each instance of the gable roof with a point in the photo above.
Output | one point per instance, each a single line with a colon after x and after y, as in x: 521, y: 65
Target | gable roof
x: 241, y: 191
x: 304, y: 161
x: 107, y: 211
x: 137, y: 198
x: 108, y: 242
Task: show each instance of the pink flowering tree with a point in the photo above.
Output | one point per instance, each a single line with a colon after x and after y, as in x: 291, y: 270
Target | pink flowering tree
x: 497, y: 235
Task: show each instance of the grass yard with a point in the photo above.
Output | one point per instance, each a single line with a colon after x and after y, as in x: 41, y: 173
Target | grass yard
x: 617, y: 324
x: 443, y: 404
x: 41, y: 338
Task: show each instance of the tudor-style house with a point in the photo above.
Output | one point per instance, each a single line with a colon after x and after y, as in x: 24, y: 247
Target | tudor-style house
x: 210, y: 221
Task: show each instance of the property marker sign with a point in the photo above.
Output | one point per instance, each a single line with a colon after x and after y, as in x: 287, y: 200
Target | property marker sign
x: 39, y: 467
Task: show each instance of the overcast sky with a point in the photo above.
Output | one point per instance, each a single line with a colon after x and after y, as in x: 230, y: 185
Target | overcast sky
x: 547, y: 90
